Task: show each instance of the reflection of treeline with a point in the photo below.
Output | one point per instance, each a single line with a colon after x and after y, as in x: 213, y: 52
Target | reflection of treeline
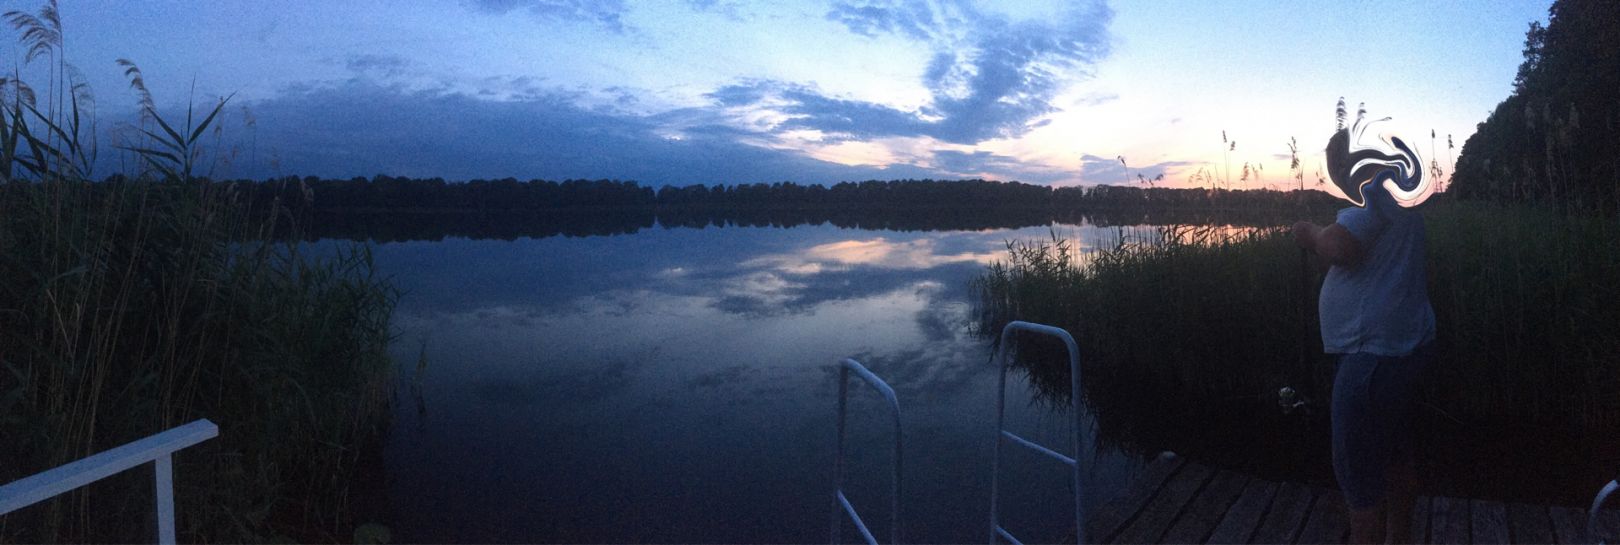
x: 390, y: 208
x: 385, y: 226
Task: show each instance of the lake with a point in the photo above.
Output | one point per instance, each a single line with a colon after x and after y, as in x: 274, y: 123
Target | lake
x: 628, y: 382
x: 677, y: 385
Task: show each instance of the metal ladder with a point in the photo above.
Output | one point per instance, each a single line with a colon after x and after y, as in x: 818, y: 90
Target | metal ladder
x: 1002, y: 433
x: 841, y: 503
x: 1597, y: 505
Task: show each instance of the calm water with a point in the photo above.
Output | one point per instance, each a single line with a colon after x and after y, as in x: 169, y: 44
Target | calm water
x: 676, y: 385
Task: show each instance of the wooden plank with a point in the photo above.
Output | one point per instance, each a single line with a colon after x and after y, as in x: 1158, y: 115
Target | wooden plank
x: 1569, y: 525
x: 1287, y: 514
x: 1244, y: 517
x: 1207, y: 508
x: 1529, y: 524
x: 1449, y: 521
x: 1328, y: 521
x: 1156, y: 518
x: 1489, y: 522
x: 1420, y: 519
x: 1114, y: 515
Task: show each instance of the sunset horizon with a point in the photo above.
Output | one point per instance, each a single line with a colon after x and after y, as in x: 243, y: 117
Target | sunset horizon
x: 713, y: 92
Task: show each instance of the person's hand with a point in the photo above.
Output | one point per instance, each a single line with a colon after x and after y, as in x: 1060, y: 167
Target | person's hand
x: 1305, y: 234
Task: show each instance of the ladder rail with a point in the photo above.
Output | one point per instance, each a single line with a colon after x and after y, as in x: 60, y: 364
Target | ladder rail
x: 840, y: 502
x: 1005, y: 349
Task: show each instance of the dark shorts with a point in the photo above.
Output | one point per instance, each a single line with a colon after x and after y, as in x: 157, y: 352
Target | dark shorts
x: 1374, y: 399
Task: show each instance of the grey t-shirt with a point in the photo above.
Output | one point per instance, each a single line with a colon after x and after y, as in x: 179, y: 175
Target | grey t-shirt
x: 1381, y: 305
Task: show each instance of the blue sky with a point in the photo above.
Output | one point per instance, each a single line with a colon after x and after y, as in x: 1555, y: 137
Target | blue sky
x: 722, y: 91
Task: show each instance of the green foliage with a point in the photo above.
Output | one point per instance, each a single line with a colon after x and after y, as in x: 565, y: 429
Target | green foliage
x: 1556, y: 139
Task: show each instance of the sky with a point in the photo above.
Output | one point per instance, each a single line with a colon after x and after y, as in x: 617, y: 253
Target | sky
x: 723, y: 91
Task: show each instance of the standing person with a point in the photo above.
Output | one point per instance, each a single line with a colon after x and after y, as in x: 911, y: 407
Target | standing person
x: 1375, y: 315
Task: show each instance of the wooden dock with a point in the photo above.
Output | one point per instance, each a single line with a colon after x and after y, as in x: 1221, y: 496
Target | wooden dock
x: 1180, y: 501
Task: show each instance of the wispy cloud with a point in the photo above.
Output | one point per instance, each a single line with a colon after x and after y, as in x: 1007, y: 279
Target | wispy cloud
x: 981, y: 163
x: 989, y: 76
x: 604, y: 13
x: 361, y: 128
x: 732, y: 9
x: 918, y: 20
x: 377, y: 65
x: 877, y: 252
x: 1101, y: 170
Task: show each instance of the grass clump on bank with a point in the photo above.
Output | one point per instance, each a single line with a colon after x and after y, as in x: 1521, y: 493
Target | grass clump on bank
x: 1525, y: 300
x: 134, y: 305
x: 1208, y: 309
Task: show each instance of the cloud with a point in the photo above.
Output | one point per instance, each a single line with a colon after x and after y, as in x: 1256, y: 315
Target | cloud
x: 917, y: 20
x: 375, y: 65
x: 804, y: 279
x: 731, y: 9
x: 778, y: 292
x: 879, y: 252
x: 1098, y: 99
x: 604, y: 13
x: 745, y: 93
x: 362, y: 128
x: 976, y: 163
x: 989, y: 77
x: 1099, y: 170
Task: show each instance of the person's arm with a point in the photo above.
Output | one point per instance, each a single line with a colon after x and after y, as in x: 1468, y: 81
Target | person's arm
x: 1334, y: 243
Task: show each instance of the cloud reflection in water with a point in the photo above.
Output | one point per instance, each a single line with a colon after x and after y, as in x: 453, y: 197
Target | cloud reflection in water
x: 615, y: 373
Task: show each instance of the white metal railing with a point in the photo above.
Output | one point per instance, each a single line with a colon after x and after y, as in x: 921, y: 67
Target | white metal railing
x: 1001, y: 430
x: 157, y: 448
x: 841, y: 503
x: 1603, y: 494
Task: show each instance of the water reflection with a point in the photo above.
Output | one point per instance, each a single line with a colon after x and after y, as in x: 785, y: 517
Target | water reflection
x: 675, y: 386
x: 400, y: 226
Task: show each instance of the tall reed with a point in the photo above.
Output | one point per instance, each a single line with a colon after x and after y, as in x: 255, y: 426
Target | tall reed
x: 142, y: 302
x: 1525, y: 300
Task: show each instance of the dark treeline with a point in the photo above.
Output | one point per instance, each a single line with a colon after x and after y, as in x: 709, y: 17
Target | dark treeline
x: 388, y: 193
x: 386, y: 208
x: 1556, y: 139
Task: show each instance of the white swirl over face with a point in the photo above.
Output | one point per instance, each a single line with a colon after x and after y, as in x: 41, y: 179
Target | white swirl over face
x: 1406, y: 198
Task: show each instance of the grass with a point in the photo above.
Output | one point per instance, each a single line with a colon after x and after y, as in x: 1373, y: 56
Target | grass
x: 1525, y: 301
x: 1122, y: 302
x: 131, y: 306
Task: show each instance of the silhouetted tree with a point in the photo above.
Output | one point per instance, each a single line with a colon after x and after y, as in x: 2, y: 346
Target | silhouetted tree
x: 1557, y: 137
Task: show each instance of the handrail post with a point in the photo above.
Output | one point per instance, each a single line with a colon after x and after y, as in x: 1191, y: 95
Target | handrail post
x: 1077, y: 403
x: 158, y: 448
x: 165, y: 498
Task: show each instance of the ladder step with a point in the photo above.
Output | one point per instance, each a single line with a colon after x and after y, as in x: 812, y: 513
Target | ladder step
x: 1043, y: 450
